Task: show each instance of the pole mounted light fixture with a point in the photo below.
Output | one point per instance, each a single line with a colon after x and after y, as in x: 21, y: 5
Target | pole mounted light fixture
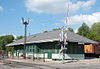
x: 25, y: 23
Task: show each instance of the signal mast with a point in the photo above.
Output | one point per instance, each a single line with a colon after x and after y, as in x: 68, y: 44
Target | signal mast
x: 25, y: 23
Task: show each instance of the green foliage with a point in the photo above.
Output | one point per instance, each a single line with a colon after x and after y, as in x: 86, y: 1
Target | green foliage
x: 10, y: 49
x: 93, y: 36
x: 84, y: 30
x: 4, y: 40
x: 92, y: 33
x: 19, y: 37
x: 96, y: 28
x: 56, y: 29
x: 0, y: 48
x: 70, y: 29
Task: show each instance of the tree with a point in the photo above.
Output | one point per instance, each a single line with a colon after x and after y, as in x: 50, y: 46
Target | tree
x: 4, y: 40
x: 84, y: 30
x: 93, y: 36
x: 92, y: 33
x: 56, y: 29
x: 70, y: 29
x: 96, y: 29
x: 10, y: 49
x: 19, y: 37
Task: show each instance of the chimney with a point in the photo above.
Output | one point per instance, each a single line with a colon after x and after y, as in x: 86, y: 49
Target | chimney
x: 45, y: 31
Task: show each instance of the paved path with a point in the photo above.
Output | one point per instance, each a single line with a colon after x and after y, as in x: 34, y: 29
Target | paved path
x: 22, y: 64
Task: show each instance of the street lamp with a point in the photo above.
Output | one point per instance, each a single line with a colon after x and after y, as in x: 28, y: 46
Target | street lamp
x: 25, y: 23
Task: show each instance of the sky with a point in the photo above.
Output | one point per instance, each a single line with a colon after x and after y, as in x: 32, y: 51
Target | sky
x: 46, y: 15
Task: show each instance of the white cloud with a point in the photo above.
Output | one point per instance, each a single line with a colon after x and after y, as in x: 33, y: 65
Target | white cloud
x: 45, y: 6
x: 1, y: 8
x: 88, y: 4
x: 56, y: 6
x: 57, y: 24
x: 88, y: 19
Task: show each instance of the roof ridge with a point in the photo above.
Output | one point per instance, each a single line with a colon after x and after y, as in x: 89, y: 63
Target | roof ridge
x: 44, y: 32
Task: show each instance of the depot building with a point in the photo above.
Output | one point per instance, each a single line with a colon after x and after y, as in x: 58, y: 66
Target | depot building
x: 45, y: 45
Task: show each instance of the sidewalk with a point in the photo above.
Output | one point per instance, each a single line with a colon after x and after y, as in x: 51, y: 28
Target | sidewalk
x: 85, y: 61
x: 69, y: 64
x: 47, y: 61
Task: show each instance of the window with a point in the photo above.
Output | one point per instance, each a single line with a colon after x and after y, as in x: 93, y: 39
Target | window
x: 30, y: 50
x: 38, y: 50
x: 27, y: 50
x: 33, y: 50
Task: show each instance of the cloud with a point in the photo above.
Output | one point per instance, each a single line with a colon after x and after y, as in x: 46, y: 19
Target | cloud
x: 57, y: 24
x: 57, y: 6
x: 46, y: 6
x: 1, y: 8
x: 88, y: 4
x: 8, y: 34
x: 88, y: 19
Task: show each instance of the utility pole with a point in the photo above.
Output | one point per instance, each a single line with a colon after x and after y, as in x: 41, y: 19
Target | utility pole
x: 25, y: 23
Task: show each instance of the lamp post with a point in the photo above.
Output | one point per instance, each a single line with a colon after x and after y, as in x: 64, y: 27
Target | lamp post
x: 25, y: 23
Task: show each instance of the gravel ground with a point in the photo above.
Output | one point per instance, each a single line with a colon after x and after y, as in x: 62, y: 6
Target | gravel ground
x: 71, y: 64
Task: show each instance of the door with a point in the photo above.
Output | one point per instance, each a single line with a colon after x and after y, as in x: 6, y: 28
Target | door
x: 49, y: 54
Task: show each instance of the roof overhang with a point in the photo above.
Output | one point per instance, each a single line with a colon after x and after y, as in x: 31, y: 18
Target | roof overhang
x: 41, y: 41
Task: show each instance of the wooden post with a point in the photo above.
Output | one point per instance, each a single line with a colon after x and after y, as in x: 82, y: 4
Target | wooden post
x: 3, y: 54
x: 38, y: 54
x: 33, y: 54
x: 7, y: 54
x: 56, y: 49
x: 43, y: 55
x: 12, y: 55
x: 18, y: 55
